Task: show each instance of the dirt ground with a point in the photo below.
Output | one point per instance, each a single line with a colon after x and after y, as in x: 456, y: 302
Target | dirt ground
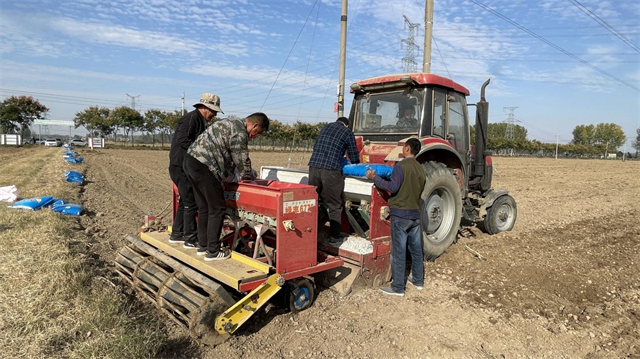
x: 565, y: 283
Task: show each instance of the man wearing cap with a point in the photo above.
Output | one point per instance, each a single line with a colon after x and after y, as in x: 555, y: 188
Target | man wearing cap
x: 188, y: 128
x: 211, y: 160
x: 325, y: 170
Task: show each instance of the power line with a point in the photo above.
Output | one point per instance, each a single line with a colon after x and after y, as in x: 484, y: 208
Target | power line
x: 441, y: 58
x: 289, y: 54
x: 553, y: 45
x: 604, y: 24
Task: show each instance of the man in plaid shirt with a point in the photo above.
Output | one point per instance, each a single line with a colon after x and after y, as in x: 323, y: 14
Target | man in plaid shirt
x: 325, y: 171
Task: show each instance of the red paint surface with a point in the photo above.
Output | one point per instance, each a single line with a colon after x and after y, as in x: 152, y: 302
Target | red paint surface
x: 418, y: 77
x: 488, y: 161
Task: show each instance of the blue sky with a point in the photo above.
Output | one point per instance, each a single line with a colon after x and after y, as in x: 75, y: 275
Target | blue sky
x: 74, y: 54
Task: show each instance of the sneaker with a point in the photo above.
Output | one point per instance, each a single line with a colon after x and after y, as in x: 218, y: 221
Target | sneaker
x: 176, y: 239
x: 221, y: 255
x: 390, y: 291
x: 410, y: 281
x: 201, y: 250
x: 189, y: 245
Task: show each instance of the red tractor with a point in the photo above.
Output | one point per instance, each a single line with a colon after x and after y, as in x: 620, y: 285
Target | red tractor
x: 459, y: 175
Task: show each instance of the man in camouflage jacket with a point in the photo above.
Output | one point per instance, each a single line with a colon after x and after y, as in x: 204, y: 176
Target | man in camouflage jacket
x: 211, y: 160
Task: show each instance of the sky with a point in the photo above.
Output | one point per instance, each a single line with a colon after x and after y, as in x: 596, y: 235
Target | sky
x: 550, y: 58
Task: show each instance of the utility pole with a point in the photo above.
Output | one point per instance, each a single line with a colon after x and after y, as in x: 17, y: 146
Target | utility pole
x: 182, y: 103
x: 409, y: 63
x: 343, y: 57
x: 624, y: 152
x: 428, y: 34
x: 133, y: 101
x: 557, y: 141
x: 510, y: 135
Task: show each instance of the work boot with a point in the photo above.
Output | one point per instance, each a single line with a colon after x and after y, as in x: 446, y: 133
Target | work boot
x: 176, y: 238
x: 221, y: 255
x: 390, y: 291
x: 189, y: 245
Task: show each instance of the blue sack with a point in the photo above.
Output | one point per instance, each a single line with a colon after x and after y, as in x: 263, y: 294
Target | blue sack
x: 73, y: 176
x: 69, y: 209
x: 33, y: 204
x: 72, y: 159
x: 359, y: 170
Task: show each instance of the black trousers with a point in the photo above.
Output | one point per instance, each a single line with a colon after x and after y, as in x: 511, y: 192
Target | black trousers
x: 211, y: 205
x: 330, y: 186
x: 185, y: 222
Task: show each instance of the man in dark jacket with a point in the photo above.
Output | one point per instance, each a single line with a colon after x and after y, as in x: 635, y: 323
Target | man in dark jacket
x: 188, y: 128
x: 406, y: 184
x: 325, y: 171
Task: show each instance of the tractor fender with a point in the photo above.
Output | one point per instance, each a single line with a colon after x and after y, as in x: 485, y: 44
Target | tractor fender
x: 443, y: 152
x: 488, y: 198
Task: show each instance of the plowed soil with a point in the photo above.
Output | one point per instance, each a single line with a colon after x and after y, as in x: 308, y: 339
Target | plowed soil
x: 564, y: 283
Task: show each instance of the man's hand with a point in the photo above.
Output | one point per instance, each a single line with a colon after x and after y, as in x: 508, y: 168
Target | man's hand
x: 371, y: 174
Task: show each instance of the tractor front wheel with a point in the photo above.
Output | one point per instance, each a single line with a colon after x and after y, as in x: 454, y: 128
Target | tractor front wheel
x: 501, y: 216
x: 440, y: 210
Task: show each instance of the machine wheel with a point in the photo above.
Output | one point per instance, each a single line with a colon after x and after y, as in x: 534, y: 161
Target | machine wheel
x: 440, y: 210
x: 301, y: 295
x: 501, y: 216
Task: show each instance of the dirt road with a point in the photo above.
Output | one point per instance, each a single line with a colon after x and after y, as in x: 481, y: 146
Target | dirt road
x: 564, y: 283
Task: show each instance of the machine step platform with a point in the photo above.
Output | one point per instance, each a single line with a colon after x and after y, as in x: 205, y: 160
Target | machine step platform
x: 232, y: 272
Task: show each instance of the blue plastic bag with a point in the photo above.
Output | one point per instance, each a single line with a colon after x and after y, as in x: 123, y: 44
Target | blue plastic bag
x: 72, y: 159
x: 359, y: 170
x: 70, y: 209
x: 73, y: 176
x: 33, y: 204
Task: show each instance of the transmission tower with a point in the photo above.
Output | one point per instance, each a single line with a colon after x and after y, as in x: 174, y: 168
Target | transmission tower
x: 409, y: 63
x: 133, y: 101
x: 510, y: 135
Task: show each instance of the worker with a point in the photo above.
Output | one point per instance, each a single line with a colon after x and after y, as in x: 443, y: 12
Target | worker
x: 405, y: 185
x: 408, y: 120
x: 211, y: 160
x: 325, y: 171
x: 188, y: 128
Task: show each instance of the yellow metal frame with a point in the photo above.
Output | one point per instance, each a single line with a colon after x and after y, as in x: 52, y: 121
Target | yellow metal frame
x: 239, y: 268
x: 229, y: 321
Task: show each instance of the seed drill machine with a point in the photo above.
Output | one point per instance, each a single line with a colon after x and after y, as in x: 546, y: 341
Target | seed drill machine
x: 273, y: 228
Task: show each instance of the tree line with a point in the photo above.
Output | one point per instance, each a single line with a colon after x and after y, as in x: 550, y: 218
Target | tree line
x: 17, y: 113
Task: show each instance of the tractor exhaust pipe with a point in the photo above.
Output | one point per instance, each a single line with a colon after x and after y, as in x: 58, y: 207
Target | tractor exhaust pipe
x: 482, y: 121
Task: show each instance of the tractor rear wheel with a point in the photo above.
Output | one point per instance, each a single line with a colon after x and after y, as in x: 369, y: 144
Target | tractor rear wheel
x: 501, y: 216
x: 440, y: 210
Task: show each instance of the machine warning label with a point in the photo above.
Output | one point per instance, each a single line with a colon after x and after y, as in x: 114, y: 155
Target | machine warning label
x: 231, y: 196
x: 298, y: 206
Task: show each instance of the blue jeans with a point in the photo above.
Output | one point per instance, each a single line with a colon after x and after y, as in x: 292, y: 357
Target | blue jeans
x: 406, y: 233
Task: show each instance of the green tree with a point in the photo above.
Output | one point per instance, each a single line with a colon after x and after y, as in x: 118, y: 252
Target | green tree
x: 19, y: 112
x: 169, y: 123
x: 153, y: 120
x: 636, y: 142
x: 128, y: 119
x: 584, y: 135
x: 95, y: 119
x: 610, y: 135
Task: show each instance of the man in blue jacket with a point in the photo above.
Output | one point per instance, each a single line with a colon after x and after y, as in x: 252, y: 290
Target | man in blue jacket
x: 406, y: 184
x: 325, y: 171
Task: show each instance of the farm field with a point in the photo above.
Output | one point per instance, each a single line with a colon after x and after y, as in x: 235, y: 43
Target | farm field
x: 565, y: 283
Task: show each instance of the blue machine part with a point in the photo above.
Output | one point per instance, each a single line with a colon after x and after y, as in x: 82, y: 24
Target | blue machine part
x: 73, y: 176
x: 33, y: 204
x: 302, y: 297
x: 359, y: 170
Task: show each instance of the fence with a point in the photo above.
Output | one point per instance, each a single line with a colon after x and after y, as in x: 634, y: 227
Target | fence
x: 10, y: 140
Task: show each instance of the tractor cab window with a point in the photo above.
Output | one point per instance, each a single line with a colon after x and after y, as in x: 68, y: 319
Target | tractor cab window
x: 439, y: 112
x: 458, y: 133
x: 396, y: 112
